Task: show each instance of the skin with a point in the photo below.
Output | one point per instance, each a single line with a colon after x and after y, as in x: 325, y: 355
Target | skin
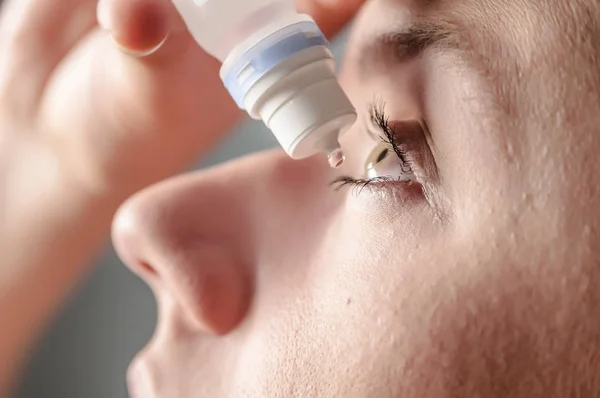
x: 477, y: 280
x: 89, y: 115
x: 270, y: 283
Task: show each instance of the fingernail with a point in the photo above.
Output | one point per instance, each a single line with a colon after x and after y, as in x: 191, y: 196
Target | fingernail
x: 139, y: 53
x: 103, y: 15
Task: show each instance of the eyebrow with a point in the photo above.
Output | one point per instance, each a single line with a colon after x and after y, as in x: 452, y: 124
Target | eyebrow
x: 410, y: 41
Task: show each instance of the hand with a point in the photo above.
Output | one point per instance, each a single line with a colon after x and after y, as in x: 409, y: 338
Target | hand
x: 84, y: 123
x: 112, y: 119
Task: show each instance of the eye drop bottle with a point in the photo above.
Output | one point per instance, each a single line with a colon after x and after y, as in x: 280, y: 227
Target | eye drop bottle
x: 277, y: 66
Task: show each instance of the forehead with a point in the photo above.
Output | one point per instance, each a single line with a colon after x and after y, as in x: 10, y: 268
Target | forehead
x: 501, y: 20
x: 512, y: 41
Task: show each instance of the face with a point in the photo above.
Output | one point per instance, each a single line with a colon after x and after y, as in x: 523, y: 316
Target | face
x: 455, y: 254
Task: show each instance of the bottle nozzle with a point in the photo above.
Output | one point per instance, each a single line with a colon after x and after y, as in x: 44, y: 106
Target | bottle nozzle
x: 336, y: 158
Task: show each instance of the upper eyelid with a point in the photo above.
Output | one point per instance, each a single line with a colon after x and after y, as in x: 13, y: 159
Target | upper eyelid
x: 368, y: 128
x: 391, y: 132
x: 417, y: 145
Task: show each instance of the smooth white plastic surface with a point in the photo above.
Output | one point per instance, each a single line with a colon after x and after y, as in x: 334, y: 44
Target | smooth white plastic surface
x: 300, y: 99
x: 220, y: 25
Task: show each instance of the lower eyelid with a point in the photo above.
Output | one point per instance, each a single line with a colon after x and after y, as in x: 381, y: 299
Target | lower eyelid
x: 381, y: 185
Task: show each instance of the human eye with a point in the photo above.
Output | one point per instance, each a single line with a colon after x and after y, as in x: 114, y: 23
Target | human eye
x: 401, y: 162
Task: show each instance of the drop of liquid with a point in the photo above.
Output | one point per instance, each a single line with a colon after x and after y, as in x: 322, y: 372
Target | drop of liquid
x: 336, y: 158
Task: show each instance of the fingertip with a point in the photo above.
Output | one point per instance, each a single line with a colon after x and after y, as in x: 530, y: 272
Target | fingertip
x: 135, y: 52
x: 330, y: 15
x: 138, y: 27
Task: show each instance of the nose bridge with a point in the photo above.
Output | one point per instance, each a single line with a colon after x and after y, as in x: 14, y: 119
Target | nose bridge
x: 241, y: 197
x: 194, y: 237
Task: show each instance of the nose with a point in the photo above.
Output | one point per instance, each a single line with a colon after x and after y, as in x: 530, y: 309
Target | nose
x: 177, y: 236
x: 194, y: 237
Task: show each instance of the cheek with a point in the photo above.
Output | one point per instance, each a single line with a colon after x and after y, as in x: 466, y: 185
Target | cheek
x: 367, y: 255
x: 345, y: 304
x: 371, y: 266
x: 363, y: 301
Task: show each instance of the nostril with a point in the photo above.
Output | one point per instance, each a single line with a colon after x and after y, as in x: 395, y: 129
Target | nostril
x: 147, y: 268
x: 167, y: 248
x: 180, y: 243
x: 129, y: 239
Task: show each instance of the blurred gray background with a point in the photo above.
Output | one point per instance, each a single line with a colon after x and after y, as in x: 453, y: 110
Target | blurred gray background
x: 112, y: 315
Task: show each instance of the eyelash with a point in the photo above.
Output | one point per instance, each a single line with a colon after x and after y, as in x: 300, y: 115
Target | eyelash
x: 381, y: 120
x: 379, y: 117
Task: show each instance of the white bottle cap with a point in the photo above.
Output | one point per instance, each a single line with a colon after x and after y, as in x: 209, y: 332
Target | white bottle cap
x: 306, y: 110
x: 298, y: 96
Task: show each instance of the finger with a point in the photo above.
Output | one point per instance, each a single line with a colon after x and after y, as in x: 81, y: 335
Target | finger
x: 34, y: 37
x: 45, y: 25
x: 139, y: 27
x: 141, y: 117
x: 330, y: 15
x: 158, y: 59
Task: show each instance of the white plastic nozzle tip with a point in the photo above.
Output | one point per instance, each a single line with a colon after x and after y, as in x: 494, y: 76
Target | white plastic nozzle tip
x: 336, y: 158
